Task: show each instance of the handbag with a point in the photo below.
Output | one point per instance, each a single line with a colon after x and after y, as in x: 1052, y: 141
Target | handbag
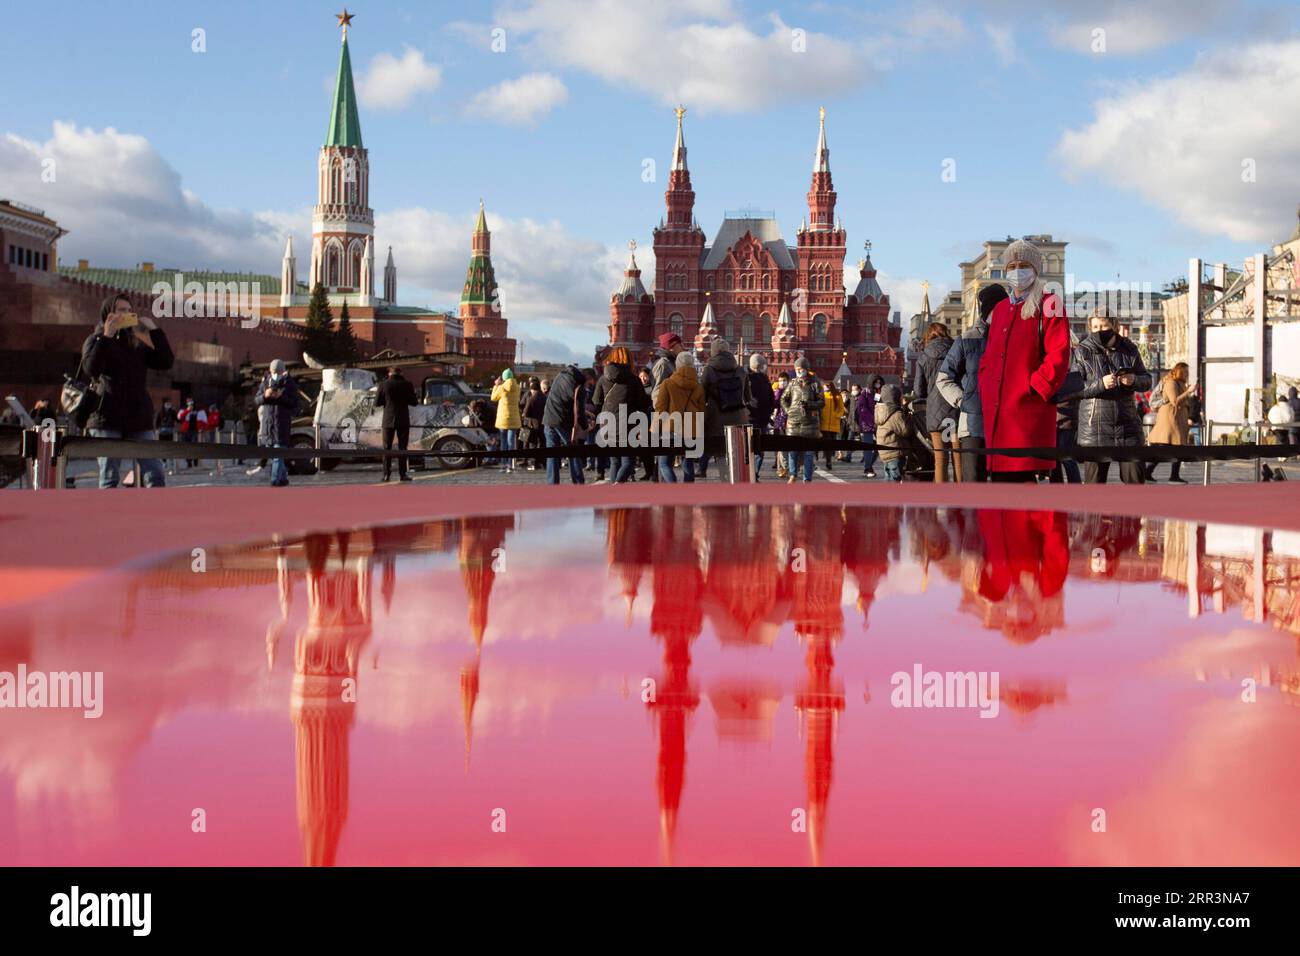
x: 79, y: 398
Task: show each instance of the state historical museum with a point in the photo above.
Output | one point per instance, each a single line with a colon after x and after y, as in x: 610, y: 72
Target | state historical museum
x: 753, y: 290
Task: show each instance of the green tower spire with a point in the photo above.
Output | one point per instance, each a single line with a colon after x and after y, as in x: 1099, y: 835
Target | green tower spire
x: 345, y: 126
x: 480, y: 278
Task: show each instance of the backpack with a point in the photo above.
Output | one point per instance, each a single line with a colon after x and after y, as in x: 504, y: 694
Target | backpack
x: 731, y: 392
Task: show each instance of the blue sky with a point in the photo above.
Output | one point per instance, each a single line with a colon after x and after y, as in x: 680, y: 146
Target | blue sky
x: 1134, y: 154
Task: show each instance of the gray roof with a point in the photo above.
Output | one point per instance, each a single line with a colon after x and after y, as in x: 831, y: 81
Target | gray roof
x: 868, y: 287
x: 765, y: 231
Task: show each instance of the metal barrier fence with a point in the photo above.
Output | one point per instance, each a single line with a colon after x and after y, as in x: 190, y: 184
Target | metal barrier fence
x: 47, y: 449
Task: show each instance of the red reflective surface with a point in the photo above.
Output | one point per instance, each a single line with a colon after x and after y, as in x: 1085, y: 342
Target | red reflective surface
x: 687, y: 685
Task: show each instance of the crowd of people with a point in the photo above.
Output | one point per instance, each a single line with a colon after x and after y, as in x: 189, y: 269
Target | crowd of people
x: 1016, y: 379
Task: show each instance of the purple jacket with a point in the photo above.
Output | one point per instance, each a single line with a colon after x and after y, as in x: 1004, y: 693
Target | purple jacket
x: 864, y: 412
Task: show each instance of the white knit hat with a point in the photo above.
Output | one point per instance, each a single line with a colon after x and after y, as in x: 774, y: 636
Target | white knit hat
x: 1022, y: 250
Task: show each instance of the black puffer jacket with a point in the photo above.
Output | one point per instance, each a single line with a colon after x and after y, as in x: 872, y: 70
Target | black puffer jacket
x: 619, y: 386
x: 1109, y: 416
x: 926, y: 386
x: 120, y: 368
x: 558, y: 411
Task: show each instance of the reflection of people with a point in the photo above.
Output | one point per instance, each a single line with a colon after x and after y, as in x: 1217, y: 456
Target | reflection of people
x: 1024, y: 364
x: 395, y: 395
x: 1026, y: 557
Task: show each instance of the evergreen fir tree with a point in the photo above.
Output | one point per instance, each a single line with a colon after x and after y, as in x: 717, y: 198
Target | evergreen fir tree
x: 345, y: 340
x: 318, y: 341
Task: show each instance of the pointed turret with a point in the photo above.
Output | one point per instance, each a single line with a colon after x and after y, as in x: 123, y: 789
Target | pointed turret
x: 480, y: 279
x: 343, y: 220
x: 345, y: 123
x: 822, y: 158
x: 631, y: 284
x: 708, y: 330
x: 783, y: 336
x: 679, y: 149
x: 680, y: 198
x: 390, y: 278
x: 288, y: 274
x: 821, y: 195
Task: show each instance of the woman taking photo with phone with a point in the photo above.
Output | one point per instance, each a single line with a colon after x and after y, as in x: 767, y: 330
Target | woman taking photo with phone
x: 1025, y: 361
x: 117, y: 358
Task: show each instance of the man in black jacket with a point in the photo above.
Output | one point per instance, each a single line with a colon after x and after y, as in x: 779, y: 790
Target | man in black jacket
x: 117, y: 358
x: 1112, y: 372
x: 395, y: 395
x: 561, y: 417
x: 761, y: 402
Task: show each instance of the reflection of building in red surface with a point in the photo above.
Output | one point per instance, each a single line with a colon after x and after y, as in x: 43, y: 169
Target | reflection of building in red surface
x: 870, y: 543
x: 323, y: 699
x: 818, y: 623
x: 745, y: 593
x: 675, y: 619
x: 482, y: 551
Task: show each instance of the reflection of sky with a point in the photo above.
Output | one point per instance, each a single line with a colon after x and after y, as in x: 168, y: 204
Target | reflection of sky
x: 1143, y: 709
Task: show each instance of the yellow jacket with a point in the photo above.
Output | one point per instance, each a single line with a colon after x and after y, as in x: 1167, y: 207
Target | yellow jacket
x: 832, y: 411
x: 506, y: 395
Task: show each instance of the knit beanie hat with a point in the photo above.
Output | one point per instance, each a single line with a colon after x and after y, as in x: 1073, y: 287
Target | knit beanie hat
x: 990, y: 296
x: 685, y: 359
x: 757, y: 362
x: 668, y: 340
x: 719, y: 345
x: 507, y: 374
x: 1022, y: 250
x: 801, y: 362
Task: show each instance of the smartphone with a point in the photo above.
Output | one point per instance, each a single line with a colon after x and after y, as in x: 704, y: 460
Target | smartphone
x: 127, y: 320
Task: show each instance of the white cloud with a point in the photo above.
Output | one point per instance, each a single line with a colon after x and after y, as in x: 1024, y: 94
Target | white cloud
x: 701, y: 52
x: 520, y: 101
x: 1126, y: 27
x: 390, y: 82
x: 546, y: 274
x: 1003, y: 40
x: 123, y: 203
x: 1180, y: 142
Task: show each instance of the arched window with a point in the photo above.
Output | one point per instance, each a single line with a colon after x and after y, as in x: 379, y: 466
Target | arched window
x: 675, y: 323
x: 765, y: 327
x: 767, y: 282
x: 747, y: 327
x: 354, y: 277
x: 712, y: 281
x: 731, y: 281
x: 729, y: 327
x: 819, y: 327
x: 332, y: 266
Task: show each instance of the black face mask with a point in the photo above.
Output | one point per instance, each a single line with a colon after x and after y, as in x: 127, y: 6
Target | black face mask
x: 1106, y: 337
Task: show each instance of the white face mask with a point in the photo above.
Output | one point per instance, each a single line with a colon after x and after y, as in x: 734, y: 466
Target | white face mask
x: 1020, y: 279
x: 800, y: 372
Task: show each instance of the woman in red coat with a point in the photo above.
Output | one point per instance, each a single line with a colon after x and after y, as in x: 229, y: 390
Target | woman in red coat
x: 1025, y: 362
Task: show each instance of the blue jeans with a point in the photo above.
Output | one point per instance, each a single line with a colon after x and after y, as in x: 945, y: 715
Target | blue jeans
x: 809, y: 459
x: 151, y: 469
x: 894, y: 470
x: 758, y: 459
x: 509, y: 441
x: 623, y: 467
x: 279, y: 469
x: 556, y: 439
x: 666, y: 472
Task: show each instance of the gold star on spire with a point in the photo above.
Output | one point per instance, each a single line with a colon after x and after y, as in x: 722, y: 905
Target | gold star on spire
x: 344, y: 19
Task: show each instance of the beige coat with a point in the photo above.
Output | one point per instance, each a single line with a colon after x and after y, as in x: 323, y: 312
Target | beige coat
x: 1173, y: 424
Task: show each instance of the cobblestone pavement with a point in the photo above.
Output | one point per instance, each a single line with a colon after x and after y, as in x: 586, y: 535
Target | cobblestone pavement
x: 231, y: 474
